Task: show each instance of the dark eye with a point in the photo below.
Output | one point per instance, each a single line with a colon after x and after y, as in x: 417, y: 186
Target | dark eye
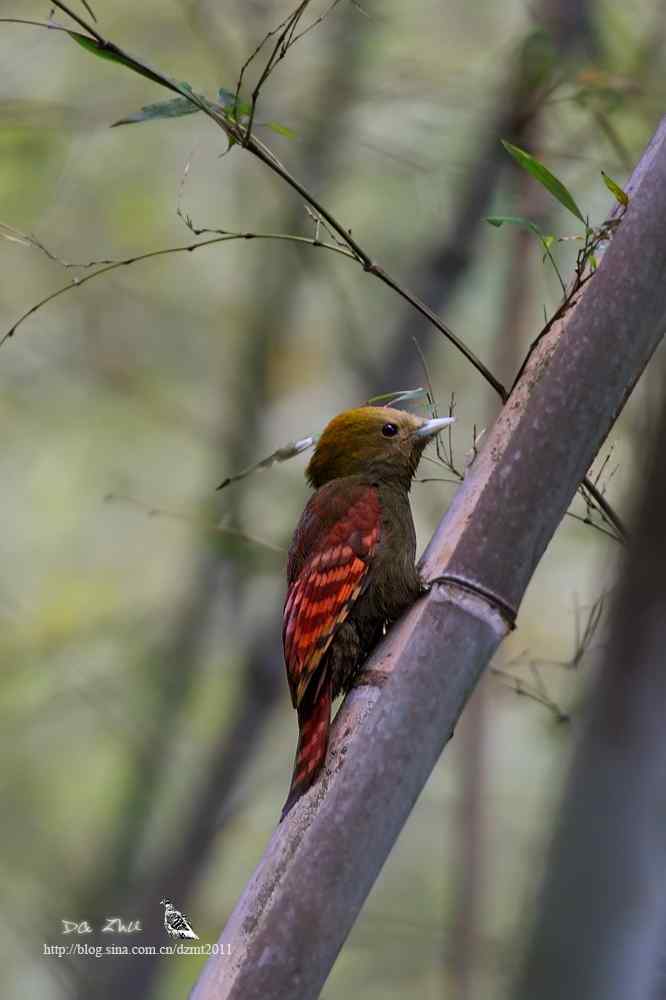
x: 389, y: 430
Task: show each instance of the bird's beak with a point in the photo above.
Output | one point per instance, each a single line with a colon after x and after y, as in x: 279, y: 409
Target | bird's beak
x: 432, y: 427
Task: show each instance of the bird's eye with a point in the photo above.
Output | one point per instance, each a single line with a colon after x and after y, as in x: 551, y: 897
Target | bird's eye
x: 389, y: 430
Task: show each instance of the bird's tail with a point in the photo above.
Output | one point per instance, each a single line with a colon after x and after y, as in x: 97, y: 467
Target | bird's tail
x: 314, y: 720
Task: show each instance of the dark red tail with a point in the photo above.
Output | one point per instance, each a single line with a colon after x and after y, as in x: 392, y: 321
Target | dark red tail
x: 314, y: 720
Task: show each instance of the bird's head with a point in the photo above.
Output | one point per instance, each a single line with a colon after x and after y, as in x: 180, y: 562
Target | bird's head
x: 372, y: 441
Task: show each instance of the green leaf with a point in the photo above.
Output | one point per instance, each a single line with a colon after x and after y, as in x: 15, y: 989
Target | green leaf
x: 544, y: 176
x: 93, y: 46
x: 618, y: 193
x: 282, y: 454
x: 112, y: 54
x: 399, y: 396
x: 176, y: 108
x: 513, y: 220
x: 228, y: 99
x: 284, y: 130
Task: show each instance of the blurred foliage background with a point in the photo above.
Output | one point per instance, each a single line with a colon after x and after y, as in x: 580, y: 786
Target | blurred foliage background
x: 146, y: 731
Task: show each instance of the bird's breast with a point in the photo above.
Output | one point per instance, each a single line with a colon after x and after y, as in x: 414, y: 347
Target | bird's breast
x: 395, y: 583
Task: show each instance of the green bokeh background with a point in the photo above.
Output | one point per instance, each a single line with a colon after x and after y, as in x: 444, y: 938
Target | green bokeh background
x: 128, y: 620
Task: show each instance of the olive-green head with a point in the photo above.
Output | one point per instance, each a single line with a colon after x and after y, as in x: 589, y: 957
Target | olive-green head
x: 376, y: 442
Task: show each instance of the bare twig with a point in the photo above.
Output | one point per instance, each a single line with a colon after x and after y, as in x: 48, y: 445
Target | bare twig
x: 285, y: 40
x: 80, y: 21
x: 595, y: 524
x: 596, y: 500
x: 165, y: 251
x: 287, y: 36
x: 282, y: 30
x: 592, y: 623
x: 538, y: 690
x: 89, y: 9
x: 25, y: 239
x: 151, y: 510
x: 49, y: 25
x: 520, y: 687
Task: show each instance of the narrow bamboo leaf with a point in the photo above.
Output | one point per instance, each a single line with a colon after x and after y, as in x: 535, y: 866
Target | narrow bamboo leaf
x: 618, y: 193
x: 110, y: 53
x: 513, y: 220
x: 14, y: 235
x: 284, y: 130
x: 176, y: 108
x: 93, y: 46
x: 280, y: 455
x: 399, y: 396
x: 545, y: 177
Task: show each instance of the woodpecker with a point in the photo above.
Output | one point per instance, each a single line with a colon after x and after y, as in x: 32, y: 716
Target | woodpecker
x: 350, y: 570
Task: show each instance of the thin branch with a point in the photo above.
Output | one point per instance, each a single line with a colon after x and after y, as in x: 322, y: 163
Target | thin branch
x: 520, y: 687
x: 432, y: 400
x: 286, y: 30
x: 609, y: 515
x: 136, y: 258
x: 438, y: 479
x: 426, y: 311
x: 82, y: 23
x: 282, y: 454
x: 287, y: 38
x: 25, y: 239
x: 49, y: 25
x: 538, y: 691
x: 591, y: 626
x: 594, y: 524
x: 317, y: 21
x: 215, y: 528
x: 89, y: 9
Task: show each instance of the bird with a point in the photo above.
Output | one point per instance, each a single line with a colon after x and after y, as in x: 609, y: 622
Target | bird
x: 350, y: 566
x: 176, y: 923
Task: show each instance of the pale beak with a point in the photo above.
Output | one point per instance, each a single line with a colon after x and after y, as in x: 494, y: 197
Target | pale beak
x: 432, y: 427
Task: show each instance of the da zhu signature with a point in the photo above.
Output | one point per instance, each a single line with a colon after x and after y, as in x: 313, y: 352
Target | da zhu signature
x: 112, y: 925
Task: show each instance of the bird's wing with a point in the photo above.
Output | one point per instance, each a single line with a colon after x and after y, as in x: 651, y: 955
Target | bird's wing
x: 328, y: 565
x: 180, y: 926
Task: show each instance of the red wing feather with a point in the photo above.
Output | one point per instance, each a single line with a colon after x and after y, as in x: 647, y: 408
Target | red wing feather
x: 334, y: 545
